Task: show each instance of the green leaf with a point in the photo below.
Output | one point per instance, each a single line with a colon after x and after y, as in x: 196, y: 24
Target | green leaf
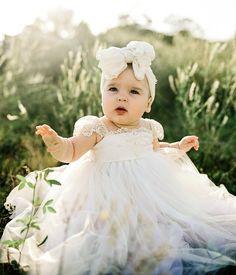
x: 21, y: 186
x: 21, y: 178
x: 53, y: 182
x: 51, y: 209
x: 23, y: 229
x: 26, y: 220
x: 13, y: 243
x: 46, y: 172
x: 48, y: 202
x: 30, y: 184
x: 46, y: 207
x: 6, y: 242
x: 33, y: 218
x: 43, y: 241
x: 35, y: 226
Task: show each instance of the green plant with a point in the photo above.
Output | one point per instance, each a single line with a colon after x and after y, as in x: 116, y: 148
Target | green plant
x: 78, y: 92
x: 30, y: 221
x: 206, y: 97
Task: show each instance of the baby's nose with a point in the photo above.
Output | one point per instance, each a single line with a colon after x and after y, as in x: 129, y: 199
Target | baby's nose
x: 122, y: 96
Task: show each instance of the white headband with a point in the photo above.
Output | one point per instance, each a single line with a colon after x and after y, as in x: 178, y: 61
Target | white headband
x: 113, y: 61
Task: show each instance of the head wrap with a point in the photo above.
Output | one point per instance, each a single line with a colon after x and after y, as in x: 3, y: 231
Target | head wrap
x: 113, y: 61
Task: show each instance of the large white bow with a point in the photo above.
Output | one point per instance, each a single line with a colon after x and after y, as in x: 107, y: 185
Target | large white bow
x: 113, y: 61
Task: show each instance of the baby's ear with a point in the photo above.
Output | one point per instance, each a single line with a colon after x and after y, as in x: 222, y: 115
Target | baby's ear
x: 148, y: 109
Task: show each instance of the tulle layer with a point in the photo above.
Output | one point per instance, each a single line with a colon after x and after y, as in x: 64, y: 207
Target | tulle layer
x: 142, y: 216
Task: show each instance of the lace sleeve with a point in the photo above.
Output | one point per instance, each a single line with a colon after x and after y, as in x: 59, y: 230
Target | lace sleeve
x: 157, y: 129
x: 88, y: 125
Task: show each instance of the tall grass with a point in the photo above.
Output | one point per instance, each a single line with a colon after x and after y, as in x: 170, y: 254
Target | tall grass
x: 206, y: 100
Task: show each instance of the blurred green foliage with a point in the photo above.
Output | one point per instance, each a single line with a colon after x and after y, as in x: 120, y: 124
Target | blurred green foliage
x: 206, y: 97
x: 50, y: 75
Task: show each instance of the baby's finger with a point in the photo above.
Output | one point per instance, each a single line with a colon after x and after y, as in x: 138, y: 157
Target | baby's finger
x: 193, y: 141
x: 52, y: 132
x: 196, y: 145
x: 192, y: 137
x: 38, y: 132
x: 43, y: 132
x: 40, y: 127
x: 49, y: 130
x: 46, y: 127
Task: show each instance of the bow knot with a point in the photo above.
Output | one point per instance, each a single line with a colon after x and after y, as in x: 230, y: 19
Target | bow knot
x: 128, y: 55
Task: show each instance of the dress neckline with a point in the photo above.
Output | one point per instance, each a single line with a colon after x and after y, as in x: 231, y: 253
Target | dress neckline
x: 143, y: 127
x: 124, y: 129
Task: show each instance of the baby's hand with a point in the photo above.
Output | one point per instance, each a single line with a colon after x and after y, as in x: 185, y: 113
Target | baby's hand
x: 188, y: 142
x: 49, y: 136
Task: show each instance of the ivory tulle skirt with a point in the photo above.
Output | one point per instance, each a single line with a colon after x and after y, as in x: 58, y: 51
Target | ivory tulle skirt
x: 148, y: 215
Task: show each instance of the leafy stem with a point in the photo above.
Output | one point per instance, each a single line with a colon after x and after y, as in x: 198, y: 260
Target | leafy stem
x: 30, y: 220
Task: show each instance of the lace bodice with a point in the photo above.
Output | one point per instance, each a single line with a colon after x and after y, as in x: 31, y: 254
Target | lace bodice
x: 90, y: 124
x: 122, y: 143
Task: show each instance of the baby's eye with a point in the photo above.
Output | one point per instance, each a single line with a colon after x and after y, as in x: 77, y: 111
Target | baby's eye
x: 112, y: 89
x: 134, y: 92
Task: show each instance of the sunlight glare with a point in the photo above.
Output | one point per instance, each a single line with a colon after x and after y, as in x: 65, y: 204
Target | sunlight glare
x: 103, y: 14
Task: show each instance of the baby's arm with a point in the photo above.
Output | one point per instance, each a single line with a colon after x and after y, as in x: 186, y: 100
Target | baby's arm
x: 185, y: 144
x: 65, y: 149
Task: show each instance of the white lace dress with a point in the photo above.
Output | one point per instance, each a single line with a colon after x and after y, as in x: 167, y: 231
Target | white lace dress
x: 125, y: 209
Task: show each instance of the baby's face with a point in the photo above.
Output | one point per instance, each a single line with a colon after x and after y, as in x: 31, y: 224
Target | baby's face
x: 125, y: 99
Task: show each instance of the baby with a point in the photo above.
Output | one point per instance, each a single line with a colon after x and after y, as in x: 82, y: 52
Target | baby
x: 128, y: 91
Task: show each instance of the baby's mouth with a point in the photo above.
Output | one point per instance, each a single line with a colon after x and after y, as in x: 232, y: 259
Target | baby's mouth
x: 120, y: 110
